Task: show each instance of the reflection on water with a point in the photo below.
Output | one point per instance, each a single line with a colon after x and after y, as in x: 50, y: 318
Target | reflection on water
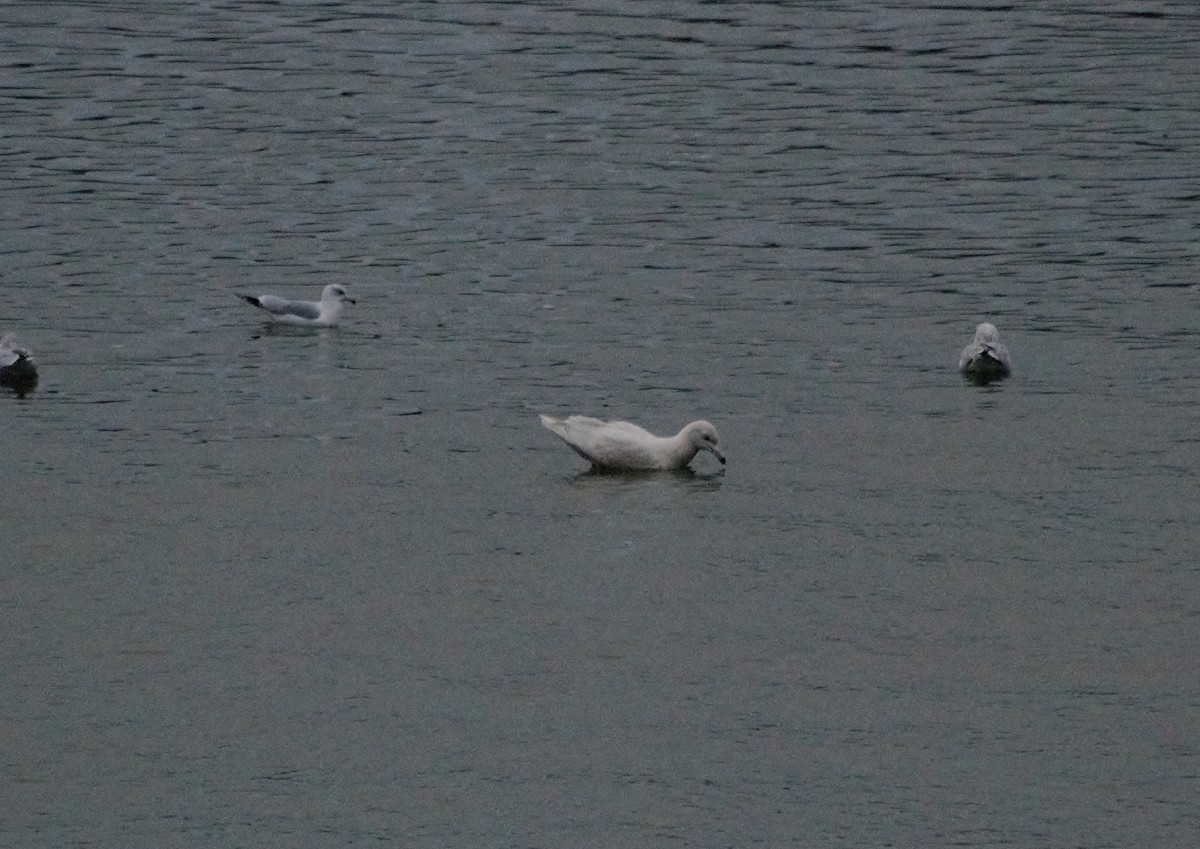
x: 20, y: 385
x: 685, y: 478
x: 249, y: 592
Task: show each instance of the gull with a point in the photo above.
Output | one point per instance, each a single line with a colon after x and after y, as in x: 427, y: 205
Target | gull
x: 625, y: 447
x: 322, y: 313
x: 986, y: 358
x: 16, y: 365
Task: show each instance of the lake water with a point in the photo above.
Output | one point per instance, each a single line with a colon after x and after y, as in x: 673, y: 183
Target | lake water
x: 338, y: 588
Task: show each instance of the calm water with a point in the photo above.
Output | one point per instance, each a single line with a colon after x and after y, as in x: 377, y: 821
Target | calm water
x: 339, y: 588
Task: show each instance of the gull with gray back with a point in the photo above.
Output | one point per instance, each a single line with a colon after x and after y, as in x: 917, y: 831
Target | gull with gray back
x: 323, y: 313
x: 986, y: 358
x: 17, y: 369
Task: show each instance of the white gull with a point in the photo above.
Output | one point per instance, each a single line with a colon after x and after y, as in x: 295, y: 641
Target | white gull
x: 625, y: 447
x: 986, y: 358
x: 323, y: 313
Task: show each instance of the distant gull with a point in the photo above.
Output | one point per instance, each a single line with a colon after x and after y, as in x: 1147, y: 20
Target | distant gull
x: 625, y: 447
x: 322, y: 313
x: 986, y: 358
x: 17, y: 370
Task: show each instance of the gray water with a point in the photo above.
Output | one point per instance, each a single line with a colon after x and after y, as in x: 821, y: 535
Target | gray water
x: 339, y: 588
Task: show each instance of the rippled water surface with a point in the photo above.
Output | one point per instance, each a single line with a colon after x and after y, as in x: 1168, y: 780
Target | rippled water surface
x: 338, y: 587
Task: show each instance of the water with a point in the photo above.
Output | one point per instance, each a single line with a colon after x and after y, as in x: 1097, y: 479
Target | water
x: 337, y: 588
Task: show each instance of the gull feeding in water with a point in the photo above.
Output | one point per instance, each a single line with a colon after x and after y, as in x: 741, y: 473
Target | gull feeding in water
x: 625, y: 447
x: 323, y: 313
x: 986, y: 358
x: 17, y: 369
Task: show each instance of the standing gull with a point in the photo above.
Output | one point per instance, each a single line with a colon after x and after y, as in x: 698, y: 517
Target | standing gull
x: 986, y: 358
x: 625, y: 447
x: 323, y: 313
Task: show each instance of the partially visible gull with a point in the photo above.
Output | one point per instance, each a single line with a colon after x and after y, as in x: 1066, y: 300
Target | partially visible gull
x: 625, y: 447
x: 17, y: 369
x: 986, y: 358
x: 323, y: 313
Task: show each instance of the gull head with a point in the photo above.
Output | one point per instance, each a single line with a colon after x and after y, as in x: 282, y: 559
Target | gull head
x: 703, y: 437
x: 336, y: 292
x: 986, y: 333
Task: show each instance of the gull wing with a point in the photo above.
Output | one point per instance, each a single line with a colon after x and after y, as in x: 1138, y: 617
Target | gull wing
x: 282, y: 306
x: 613, y: 445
